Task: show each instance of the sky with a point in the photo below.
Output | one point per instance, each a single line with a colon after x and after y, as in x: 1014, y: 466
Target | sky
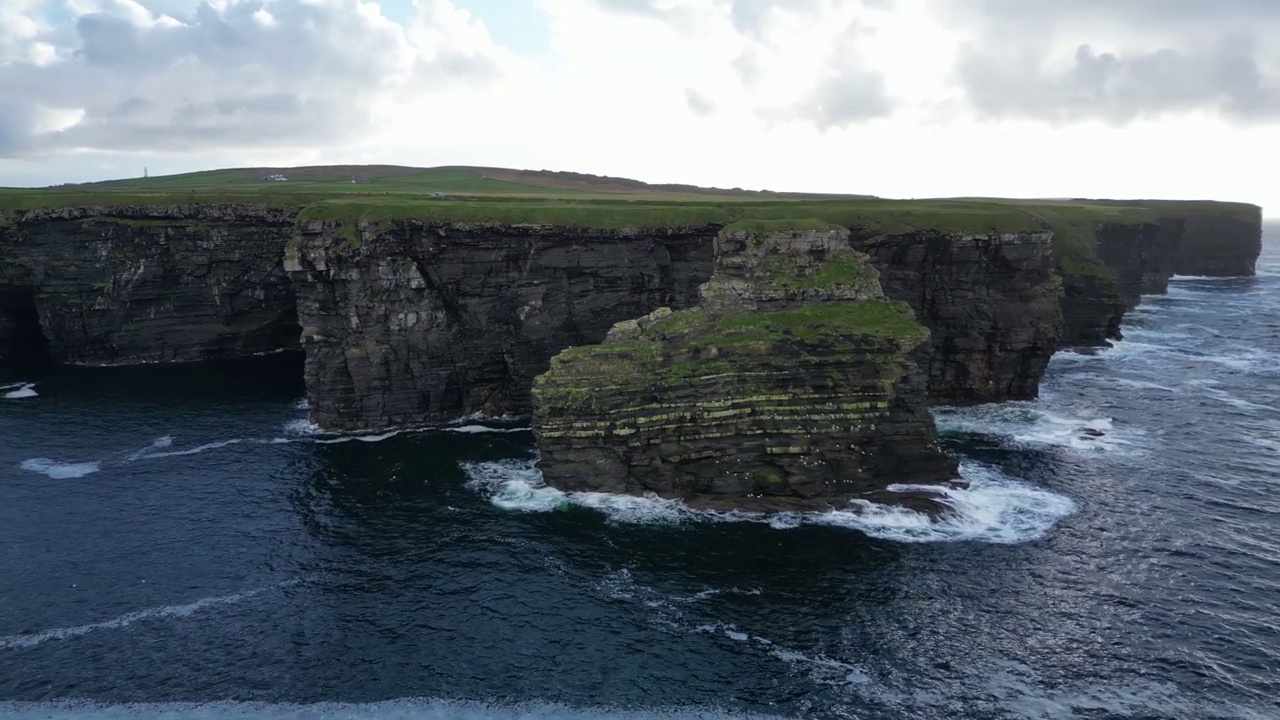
x: 898, y: 98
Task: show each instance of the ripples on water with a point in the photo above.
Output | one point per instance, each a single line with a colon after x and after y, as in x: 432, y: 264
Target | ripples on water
x: 181, y: 543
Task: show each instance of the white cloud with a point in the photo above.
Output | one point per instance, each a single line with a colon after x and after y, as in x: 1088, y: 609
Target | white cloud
x: 900, y: 98
x: 1119, y: 61
x: 243, y: 73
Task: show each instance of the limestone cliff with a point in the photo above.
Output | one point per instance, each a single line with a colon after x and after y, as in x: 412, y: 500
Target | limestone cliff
x: 793, y: 384
x: 1106, y: 267
x: 138, y: 285
x: 990, y: 302
x: 406, y: 323
x: 411, y: 322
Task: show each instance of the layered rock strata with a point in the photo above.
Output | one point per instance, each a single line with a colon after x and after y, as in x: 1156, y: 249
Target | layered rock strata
x: 1122, y: 261
x: 990, y: 301
x: 413, y: 322
x: 406, y: 323
x: 793, y: 384
x: 143, y: 285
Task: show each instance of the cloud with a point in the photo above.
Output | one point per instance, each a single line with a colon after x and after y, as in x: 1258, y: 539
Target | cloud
x: 700, y: 104
x: 795, y: 60
x: 239, y: 74
x: 1120, y: 61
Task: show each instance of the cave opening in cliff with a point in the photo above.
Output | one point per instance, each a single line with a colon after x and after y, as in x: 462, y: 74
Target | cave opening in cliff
x: 23, y: 345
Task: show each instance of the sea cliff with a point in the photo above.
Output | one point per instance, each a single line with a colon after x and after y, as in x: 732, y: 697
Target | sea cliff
x: 794, y: 383
x: 417, y: 314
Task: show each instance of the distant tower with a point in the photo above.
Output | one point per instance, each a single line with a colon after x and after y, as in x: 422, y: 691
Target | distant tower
x: 144, y: 171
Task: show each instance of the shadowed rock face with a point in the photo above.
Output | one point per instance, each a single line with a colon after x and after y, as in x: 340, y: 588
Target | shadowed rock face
x: 1132, y: 260
x: 989, y: 301
x: 1221, y: 245
x: 150, y: 284
x: 411, y: 323
x: 794, y: 384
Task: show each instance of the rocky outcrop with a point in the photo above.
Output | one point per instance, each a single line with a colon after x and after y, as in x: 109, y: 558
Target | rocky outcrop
x: 414, y: 322
x: 141, y: 285
x: 406, y: 323
x: 1107, y: 267
x: 1225, y: 243
x: 794, y: 384
x: 990, y: 302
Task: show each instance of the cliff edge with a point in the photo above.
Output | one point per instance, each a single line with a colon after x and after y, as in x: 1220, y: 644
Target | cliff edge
x: 793, y: 384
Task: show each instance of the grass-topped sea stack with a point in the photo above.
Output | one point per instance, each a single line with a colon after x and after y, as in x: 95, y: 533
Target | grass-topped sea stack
x: 793, y: 385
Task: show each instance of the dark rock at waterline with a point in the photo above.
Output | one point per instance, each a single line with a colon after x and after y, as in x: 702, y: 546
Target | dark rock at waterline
x: 412, y: 322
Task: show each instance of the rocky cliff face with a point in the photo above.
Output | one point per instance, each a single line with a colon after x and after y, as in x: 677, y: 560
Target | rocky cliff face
x: 1221, y: 244
x: 989, y: 301
x: 1128, y: 260
x: 792, y: 385
x: 411, y: 322
x: 140, y: 285
x: 406, y: 323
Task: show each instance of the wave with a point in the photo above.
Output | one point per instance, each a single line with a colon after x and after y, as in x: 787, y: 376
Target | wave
x: 19, y: 391
x: 993, y: 508
x: 1030, y: 424
x: 404, y: 709
x: 60, y: 470
x: 480, y: 429
x: 12, y: 642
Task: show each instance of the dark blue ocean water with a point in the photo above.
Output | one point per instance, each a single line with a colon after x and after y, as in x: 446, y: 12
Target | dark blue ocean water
x: 179, y: 543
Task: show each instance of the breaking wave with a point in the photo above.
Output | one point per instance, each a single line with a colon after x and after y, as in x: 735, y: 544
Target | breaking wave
x: 60, y: 470
x: 18, y: 391
x: 1032, y: 424
x: 993, y: 509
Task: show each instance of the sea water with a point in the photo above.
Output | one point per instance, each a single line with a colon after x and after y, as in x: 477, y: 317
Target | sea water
x: 181, y: 543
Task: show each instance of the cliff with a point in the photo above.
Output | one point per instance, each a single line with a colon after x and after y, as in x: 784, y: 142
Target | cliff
x: 411, y: 321
x: 1108, y: 264
x: 122, y: 285
x: 793, y: 384
x: 990, y: 301
x: 406, y: 323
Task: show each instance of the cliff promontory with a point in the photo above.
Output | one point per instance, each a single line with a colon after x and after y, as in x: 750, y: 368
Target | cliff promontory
x: 412, y: 310
x: 793, y: 384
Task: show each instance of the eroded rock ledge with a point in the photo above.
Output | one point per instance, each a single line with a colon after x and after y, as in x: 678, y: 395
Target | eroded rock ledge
x: 794, y: 384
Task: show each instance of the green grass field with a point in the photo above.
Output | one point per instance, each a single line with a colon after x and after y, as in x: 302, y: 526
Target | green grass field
x: 500, y: 195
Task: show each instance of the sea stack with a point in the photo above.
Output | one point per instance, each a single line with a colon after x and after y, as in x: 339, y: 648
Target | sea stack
x: 794, y: 384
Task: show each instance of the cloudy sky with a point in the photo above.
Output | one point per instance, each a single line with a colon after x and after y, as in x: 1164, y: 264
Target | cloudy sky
x: 901, y: 98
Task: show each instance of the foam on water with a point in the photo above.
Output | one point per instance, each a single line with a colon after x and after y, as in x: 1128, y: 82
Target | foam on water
x: 20, y: 391
x: 60, y: 470
x: 404, y: 709
x: 993, y: 508
x: 12, y: 642
x: 481, y: 429
x: 302, y: 427
x: 145, y: 455
x: 1031, y: 424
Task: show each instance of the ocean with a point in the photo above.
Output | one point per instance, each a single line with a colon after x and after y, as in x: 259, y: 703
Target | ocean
x: 178, y: 542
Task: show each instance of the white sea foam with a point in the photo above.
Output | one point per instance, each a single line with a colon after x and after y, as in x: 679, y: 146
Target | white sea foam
x: 1032, y: 425
x: 405, y: 709
x: 146, y: 455
x: 11, y: 642
x: 302, y: 404
x: 20, y: 391
x: 60, y: 470
x: 302, y: 427
x: 481, y: 429
x: 994, y: 508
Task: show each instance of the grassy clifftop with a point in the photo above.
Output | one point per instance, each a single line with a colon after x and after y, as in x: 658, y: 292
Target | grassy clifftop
x: 497, y: 195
